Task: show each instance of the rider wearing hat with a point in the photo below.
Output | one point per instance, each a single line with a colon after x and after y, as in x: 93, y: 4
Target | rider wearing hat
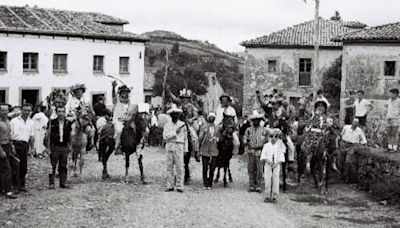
x: 225, y: 108
x: 123, y: 111
x: 76, y: 102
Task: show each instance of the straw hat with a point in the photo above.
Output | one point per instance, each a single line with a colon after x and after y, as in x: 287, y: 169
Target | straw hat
x: 256, y: 115
x: 174, y: 109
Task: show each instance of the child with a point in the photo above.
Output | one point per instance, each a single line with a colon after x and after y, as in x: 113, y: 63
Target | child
x: 208, y: 149
x: 392, y: 119
x: 106, y: 132
x: 272, y: 155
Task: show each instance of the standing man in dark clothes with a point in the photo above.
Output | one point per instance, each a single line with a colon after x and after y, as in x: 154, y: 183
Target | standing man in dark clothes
x: 242, y: 130
x: 267, y: 107
x: 99, y: 107
x: 22, y: 134
x: 59, y: 136
x: 6, y: 150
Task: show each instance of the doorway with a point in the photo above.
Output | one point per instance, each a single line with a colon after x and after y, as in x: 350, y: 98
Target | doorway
x: 30, y: 96
x: 3, y: 98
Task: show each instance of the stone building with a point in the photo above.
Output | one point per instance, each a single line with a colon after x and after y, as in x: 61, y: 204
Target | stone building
x: 371, y: 62
x: 284, y: 59
x: 43, y: 49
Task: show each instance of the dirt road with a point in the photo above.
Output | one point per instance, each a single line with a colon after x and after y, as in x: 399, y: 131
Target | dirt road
x: 94, y: 203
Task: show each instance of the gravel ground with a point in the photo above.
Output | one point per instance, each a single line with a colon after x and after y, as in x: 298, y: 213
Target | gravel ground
x: 96, y: 203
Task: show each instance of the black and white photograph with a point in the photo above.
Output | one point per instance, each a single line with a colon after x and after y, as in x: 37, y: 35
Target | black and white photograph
x: 189, y: 113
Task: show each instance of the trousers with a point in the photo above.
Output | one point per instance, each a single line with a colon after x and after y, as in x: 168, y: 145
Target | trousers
x: 209, y: 164
x: 254, y: 169
x: 59, y: 155
x: 22, y: 149
x: 175, y: 163
x: 9, y: 170
x: 271, y: 178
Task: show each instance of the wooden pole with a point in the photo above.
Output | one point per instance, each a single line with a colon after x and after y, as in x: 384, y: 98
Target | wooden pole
x: 316, y: 51
x: 165, y: 77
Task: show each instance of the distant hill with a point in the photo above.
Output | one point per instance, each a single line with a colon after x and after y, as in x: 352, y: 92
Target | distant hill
x: 161, y: 40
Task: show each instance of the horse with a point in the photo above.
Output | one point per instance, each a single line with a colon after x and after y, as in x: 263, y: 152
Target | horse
x: 225, y: 148
x: 81, y: 140
x: 321, y: 159
x: 133, y: 135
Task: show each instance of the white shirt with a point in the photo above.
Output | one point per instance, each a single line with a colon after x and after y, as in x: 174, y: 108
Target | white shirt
x: 40, y: 120
x: 361, y: 107
x: 154, y: 121
x: 61, y: 129
x: 353, y: 136
x: 393, y: 109
x: 100, y: 123
x: 22, y: 130
x: 170, y: 135
x: 219, y: 114
x: 73, y: 103
x: 274, y: 153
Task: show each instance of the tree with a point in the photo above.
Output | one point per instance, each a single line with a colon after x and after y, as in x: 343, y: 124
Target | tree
x: 331, y: 82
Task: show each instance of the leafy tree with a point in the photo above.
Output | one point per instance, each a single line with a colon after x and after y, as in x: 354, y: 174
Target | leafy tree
x: 331, y: 82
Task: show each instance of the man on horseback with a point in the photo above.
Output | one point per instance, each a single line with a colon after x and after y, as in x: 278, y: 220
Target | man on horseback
x: 225, y: 107
x: 76, y: 102
x: 123, y: 111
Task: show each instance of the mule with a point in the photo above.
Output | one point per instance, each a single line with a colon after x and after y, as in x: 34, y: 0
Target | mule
x: 321, y: 160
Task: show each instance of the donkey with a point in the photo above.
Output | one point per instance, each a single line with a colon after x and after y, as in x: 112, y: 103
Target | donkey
x: 321, y: 160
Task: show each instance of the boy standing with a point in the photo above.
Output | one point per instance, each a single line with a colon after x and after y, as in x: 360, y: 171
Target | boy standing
x: 392, y: 119
x: 273, y: 154
x: 254, y: 139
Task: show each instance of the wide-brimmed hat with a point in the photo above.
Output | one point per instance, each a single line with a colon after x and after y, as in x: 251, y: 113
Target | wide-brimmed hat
x: 123, y: 88
x: 256, y: 115
x: 78, y: 86
x: 185, y: 93
x: 318, y: 103
x: 225, y: 95
x: 174, y: 109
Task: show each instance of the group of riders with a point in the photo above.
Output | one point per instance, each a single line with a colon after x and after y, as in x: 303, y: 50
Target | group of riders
x: 74, y: 127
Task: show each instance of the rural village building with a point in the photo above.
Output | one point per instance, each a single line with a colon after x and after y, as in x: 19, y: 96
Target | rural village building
x: 371, y: 62
x: 284, y: 59
x: 41, y: 49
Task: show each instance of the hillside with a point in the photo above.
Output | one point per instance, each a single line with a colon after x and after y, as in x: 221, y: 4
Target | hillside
x: 228, y: 66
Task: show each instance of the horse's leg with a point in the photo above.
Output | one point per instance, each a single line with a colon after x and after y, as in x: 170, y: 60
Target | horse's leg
x: 140, y: 162
x: 229, y: 174
x: 313, y: 171
x: 299, y: 163
x: 225, y: 182
x: 126, y: 167
x: 75, y: 160
x: 81, y: 162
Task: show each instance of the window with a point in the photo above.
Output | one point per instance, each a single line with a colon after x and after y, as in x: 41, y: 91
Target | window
x: 147, y: 99
x: 390, y: 68
x: 30, y: 62
x: 3, y: 96
x: 305, y: 72
x: 3, y: 61
x: 123, y: 65
x: 60, y: 63
x: 272, y: 66
x: 98, y: 63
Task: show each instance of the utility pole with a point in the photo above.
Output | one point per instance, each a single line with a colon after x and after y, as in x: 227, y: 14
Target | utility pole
x: 316, y: 51
x: 165, y: 76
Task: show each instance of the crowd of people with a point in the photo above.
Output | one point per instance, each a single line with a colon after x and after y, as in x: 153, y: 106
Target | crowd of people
x: 65, y: 125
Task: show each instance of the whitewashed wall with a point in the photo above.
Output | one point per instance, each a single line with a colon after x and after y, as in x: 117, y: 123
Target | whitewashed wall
x: 80, y: 65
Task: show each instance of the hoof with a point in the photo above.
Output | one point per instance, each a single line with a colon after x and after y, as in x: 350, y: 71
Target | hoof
x: 216, y: 181
x: 230, y: 180
x: 225, y: 185
x: 75, y: 175
x: 126, y: 180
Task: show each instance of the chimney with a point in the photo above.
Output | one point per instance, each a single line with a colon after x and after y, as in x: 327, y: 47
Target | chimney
x: 336, y: 16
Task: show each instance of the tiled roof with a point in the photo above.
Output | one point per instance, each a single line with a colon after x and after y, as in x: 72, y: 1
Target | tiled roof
x: 302, y: 34
x: 149, y: 80
x: 34, y: 20
x: 388, y: 32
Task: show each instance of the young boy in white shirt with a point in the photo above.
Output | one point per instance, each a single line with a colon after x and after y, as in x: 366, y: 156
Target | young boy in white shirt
x: 272, y: 155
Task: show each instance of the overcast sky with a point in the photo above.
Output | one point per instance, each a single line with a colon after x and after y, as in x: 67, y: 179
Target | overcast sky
x: 225, y: 22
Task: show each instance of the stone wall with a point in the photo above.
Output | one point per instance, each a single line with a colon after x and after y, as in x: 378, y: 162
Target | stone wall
x: 286, y: 78
x: 378, y: 172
